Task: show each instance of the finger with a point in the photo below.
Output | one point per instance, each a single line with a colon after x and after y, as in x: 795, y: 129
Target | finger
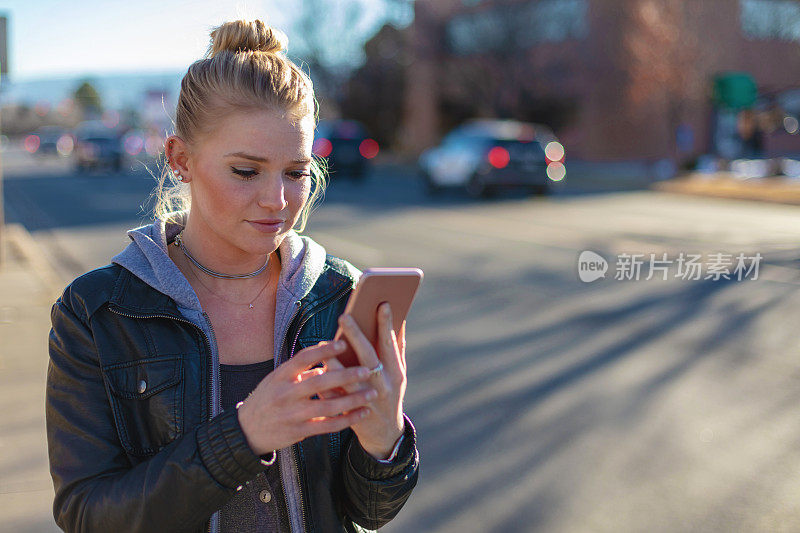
x: 363, y: 348
x: 334, y: 424
x: 387, y: 347
x: 335, y: 364
x: 331, y: 379
x: 332, y: 393
x: 336, y: 406
x: 309, y: 373
x: 401, y: 344
x: 310, y: 356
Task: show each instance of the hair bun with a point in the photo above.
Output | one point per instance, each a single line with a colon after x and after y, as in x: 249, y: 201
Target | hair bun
x: 244, y: 36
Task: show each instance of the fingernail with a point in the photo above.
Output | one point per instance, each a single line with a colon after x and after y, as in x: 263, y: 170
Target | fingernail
x: 362, y: 372
x: 372, y: 394
x: 363, y: 414
x: 386, y: 310
x: 339, y: 345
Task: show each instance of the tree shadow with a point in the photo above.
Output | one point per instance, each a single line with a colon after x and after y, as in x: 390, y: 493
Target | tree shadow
x: 455, y: 431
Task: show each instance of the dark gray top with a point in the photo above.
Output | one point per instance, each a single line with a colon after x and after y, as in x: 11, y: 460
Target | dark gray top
x: 260, y: 505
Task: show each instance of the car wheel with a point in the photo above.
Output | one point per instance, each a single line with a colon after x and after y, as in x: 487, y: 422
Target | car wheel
x: 431, y: 187
x: 540, y: 190
x: 477, y: 187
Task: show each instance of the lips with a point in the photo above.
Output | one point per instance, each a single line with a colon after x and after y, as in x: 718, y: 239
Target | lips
x: 267, y: 225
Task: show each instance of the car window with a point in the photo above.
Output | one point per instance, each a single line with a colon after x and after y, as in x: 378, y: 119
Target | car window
x: 461, y: 140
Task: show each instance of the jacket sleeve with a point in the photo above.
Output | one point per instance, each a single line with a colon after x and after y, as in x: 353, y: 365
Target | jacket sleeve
x: 377, y: 491
x: 97, y: 488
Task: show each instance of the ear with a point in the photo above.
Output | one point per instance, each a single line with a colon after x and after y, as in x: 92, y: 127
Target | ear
x: 176, y: 152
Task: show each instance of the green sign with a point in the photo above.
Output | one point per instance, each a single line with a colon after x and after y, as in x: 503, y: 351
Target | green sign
x: 735, y: 90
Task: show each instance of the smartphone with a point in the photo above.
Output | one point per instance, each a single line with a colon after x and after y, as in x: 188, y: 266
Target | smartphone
x: 398, y: 286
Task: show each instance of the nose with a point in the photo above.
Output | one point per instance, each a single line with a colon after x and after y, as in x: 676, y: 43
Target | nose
x: 272, y: 195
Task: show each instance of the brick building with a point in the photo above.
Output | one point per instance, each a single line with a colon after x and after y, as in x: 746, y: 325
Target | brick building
x: 617, y: 79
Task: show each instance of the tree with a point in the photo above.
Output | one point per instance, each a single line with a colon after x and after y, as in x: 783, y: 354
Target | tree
x: 88, y: 100
x: 375, y: 93
x: 331, y: 35
x: 490, y: 52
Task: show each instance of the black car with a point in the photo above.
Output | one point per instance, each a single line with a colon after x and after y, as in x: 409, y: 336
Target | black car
x: 346, y: 146
x: 98, y: 149
x: 483, y: 156
x: 49, y: 137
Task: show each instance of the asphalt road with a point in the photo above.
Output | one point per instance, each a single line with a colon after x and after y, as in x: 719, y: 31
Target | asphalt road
x: 544, y: 403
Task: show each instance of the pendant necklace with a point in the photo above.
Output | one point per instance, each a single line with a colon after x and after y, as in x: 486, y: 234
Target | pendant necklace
x: 250, y: 305
x: 213, y: 273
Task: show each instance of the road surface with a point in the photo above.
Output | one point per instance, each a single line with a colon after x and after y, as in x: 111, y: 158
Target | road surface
x: 544, y: 403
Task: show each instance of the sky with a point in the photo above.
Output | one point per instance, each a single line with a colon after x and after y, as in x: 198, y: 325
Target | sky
x: 52, y: 38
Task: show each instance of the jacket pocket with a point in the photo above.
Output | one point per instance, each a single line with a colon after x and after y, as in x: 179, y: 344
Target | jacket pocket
x: 147, y: 400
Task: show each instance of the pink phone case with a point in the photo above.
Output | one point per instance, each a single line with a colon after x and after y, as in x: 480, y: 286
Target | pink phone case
x: 398, y: 286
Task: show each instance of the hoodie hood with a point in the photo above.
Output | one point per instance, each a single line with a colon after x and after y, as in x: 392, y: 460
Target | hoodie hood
x: 302, y: 262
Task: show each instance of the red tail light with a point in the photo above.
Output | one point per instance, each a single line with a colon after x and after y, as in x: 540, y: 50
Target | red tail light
x: 31, y: 143
x: 498, y: 157
x: 322, y: 147
x: 368, y: 148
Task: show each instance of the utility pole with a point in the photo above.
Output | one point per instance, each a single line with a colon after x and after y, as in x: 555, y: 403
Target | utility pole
x: 3, y: 74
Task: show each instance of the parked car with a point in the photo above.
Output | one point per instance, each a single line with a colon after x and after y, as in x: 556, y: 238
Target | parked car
x: 346, y: 146
x: 97, y: 148
x: 483, y: 156
x: 49, y: 139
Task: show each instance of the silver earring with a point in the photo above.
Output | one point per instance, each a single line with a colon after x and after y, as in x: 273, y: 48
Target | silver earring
x: 178, y: 175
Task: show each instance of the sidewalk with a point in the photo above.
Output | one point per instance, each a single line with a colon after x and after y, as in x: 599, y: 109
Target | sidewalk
x: 28, y: 287
x: 726, y: 185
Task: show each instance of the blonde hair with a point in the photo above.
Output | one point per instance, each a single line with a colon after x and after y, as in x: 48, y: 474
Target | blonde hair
x: 244, y: 68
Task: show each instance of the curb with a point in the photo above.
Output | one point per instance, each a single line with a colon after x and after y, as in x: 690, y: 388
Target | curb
x: 28, y: 249
x: 721, y: 186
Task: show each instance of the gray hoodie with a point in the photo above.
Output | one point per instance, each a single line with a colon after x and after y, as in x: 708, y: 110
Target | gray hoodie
x: 302, y: 261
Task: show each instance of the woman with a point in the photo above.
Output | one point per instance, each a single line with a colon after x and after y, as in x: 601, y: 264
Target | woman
x: 191, y: 386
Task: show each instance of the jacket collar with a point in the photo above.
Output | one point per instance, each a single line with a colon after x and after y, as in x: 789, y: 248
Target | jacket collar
x: 146, y: 257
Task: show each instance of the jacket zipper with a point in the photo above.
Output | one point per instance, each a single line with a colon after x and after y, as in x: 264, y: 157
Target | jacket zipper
x: 296, y: 447
x: 297, y: 306
x: 208, y: 346
x: 213, y: 366
x: 295, y: 450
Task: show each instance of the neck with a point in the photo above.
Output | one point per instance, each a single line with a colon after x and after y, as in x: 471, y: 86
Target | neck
x: 217, y: 253
x: 239, y: 289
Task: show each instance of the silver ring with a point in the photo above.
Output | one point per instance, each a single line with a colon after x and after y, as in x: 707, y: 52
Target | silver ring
x: 375, y: 371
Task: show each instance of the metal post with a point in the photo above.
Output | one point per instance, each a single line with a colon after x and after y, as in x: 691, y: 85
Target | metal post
x: 3, y: 73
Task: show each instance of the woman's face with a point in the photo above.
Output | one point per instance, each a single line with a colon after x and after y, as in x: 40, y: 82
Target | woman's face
x: 253, y: 166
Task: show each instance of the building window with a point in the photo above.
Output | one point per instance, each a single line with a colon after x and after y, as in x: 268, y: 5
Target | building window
x: 521, y: 25
x: 771, y: 19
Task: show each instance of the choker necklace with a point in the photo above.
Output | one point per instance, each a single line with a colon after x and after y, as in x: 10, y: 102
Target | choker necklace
x: 179, y: 242
x: 251, y: 306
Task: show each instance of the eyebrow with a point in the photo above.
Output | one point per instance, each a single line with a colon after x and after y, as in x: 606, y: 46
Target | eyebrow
x: 261, y: 159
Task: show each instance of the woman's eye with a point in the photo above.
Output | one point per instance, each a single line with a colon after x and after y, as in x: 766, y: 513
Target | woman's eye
x: 245, y: 173
x: 298, y: 174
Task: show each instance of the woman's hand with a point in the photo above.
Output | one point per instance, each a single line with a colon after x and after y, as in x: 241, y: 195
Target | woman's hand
x: 383, y: 425
x: 280, y: 411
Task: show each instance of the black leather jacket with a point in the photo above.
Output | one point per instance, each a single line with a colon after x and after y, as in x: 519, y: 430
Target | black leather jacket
x: 131, y: 441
